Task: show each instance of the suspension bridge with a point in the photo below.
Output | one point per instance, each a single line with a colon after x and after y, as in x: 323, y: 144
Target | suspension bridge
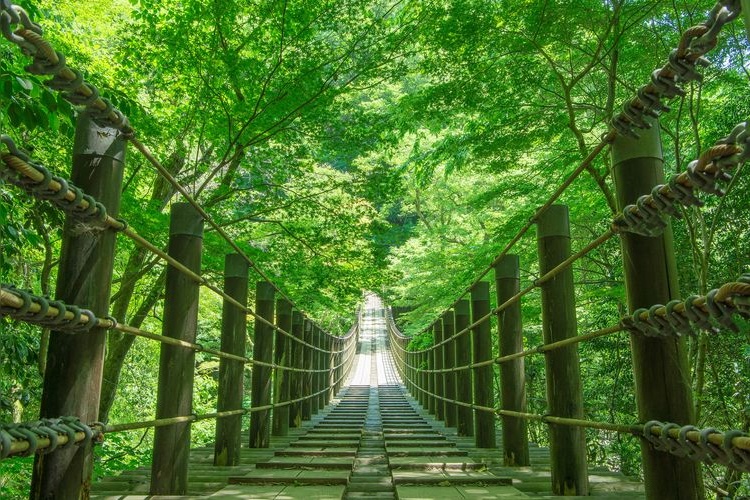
x: 368, y: 414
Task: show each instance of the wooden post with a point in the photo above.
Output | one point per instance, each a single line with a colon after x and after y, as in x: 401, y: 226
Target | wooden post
x: 564, y: 393
x: 177, y: 364
x: 72, y: 380
x: 431, y: 401
x: 231, y: 372
x: 321, y: 376
x: 449, y: 361
x: 423, y: 379
x: 260, y: 395
x: 660, y: 365
x: 308, y: 377
x: 484, y: 376
x: 330, y: 358
x: 512, y: 375
x: 465, y: 424
x: 280, y: 422
x: 298, y: 362
x: 437, y: 331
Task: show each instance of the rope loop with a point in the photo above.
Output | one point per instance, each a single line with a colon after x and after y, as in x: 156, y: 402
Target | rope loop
x: 655, y: 441
x: 43, y: 66
x: 721, y: 311
x: 694, y: 450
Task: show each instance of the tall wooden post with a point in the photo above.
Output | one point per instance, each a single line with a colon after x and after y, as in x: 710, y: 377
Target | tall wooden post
x: 484, y: 376
x: 465, y: 424
x: 437, y: 331
x: 72, y: 380
x: 231, y: 372
x: 331, y: 378
x: 431, y: 401
x: 423, y: 379
x: 308, y: 377
x: 298, y: 362
x: 449, y: 361
x: 280, y: 422
x: 260, y: 395
x: 564, y: 392
x: 177, y: 364
x: 660, y: 365
x: 512, y: 375
x: 321, y: 376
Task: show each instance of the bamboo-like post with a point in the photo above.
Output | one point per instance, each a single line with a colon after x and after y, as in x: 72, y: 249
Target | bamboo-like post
x: 177, y: 364
x: 660, y: 366
x: 564, y: 390
x: 298, y: 362
x: 449, y: 361
x: 512, y: 374
x: 437, y: 331
x: 260, y: 395
x: 484, y: 387
x: 465, y: 424
x: 308, y: 377
x: 281, y: 388
x: 72, y: 380
x: 231, y: 372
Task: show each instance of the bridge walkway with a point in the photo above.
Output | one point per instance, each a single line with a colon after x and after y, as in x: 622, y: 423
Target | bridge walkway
x: 373, y: 441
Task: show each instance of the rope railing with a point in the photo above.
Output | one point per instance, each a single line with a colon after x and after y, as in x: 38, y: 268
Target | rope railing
x: 39, y: 182
x: 648, y: 102
x: 46, y: 435
x: 730, y: 448
x: 33, y: 309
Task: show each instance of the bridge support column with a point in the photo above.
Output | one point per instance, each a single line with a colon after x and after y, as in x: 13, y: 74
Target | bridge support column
x: 298, y: 363
x: 177, y: 364
x: 321, y: 376
x: 281, y: 379
x: 431, y: 354
x: 512, y: 375
x: 660, y: 365
x: 449, y: 361
x: 231, y: 372
x: 260, y: 395
x: 306, y: 406
x: 72, y: 380
x: 437, y: 331
x: 330, y: 363
x: 465, y: 425
x: 564, y: 393
x: 423, y: 376
x: 481, y: 337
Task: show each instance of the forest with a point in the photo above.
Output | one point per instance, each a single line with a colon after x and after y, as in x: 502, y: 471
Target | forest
x: 392, y: 146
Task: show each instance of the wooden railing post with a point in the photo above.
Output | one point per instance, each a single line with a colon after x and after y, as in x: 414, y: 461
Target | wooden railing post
x: 298, y: 362
x: 330, y: 363
x: 437, y: 330
x: 484, y: 376
x: 564, y: 392
x: 282, y: 347
x: 512, y: 375
x: 260, y: 421
x: 308, y: 377
x: 322, y: 376
x: 431, y: 401
x: 231, y: 372
x: 660, y: 367
x: 465, y: 424
x: 72, y: 380
x: 449, y: 361
x: 177, y: 364
x: 421, y: 378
